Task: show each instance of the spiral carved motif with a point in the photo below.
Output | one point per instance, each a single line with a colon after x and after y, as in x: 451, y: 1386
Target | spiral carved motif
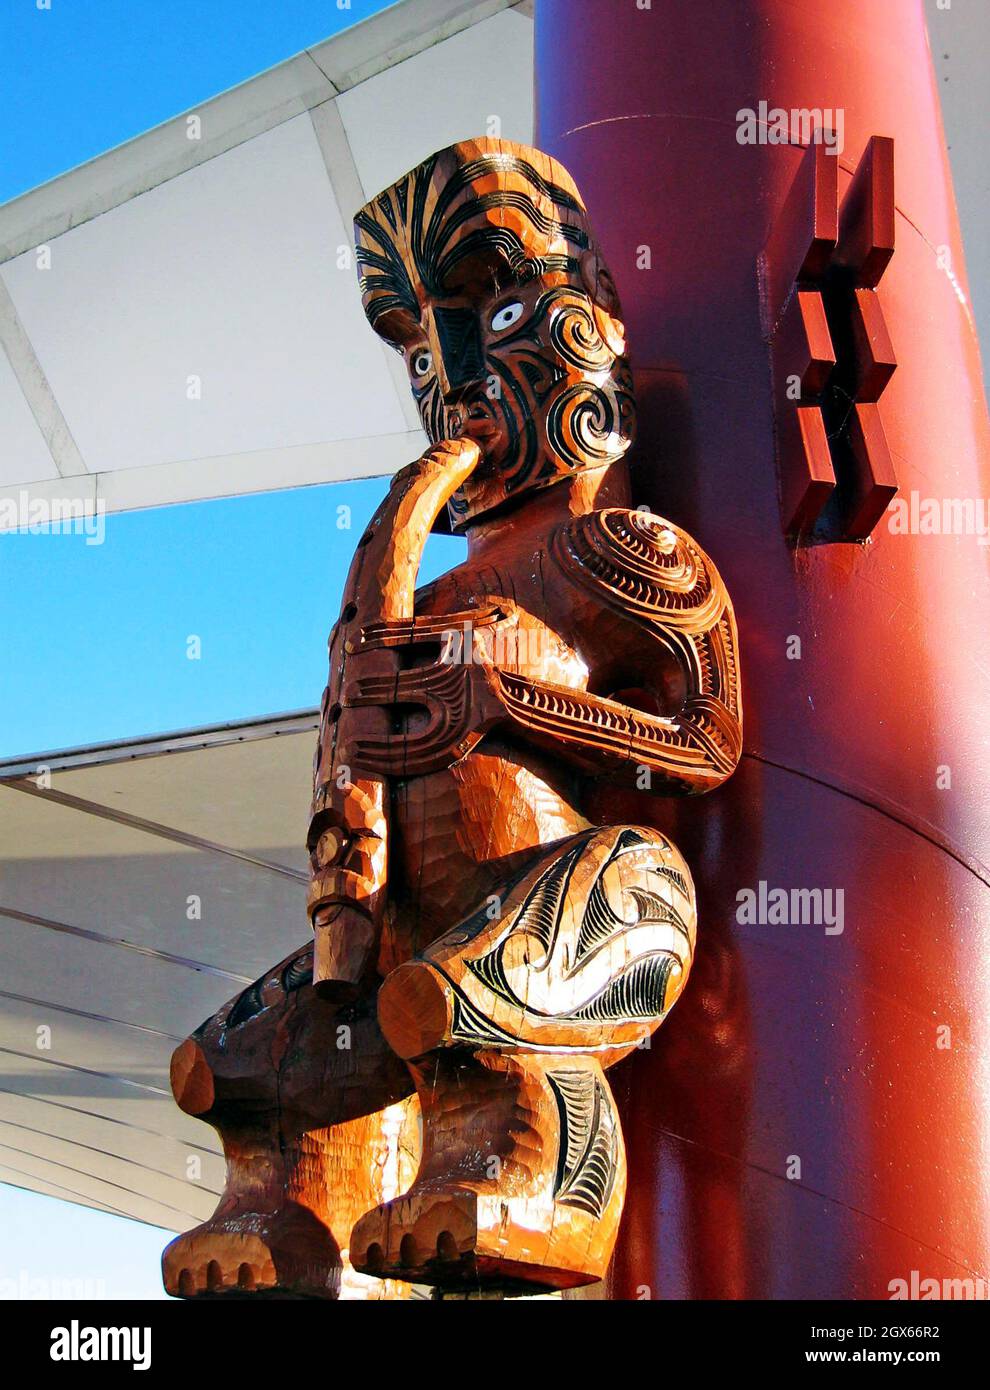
x: 648, y: 565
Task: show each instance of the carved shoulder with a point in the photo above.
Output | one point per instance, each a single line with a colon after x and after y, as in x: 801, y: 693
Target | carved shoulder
x: 656, y: 575
x: 645, y: 567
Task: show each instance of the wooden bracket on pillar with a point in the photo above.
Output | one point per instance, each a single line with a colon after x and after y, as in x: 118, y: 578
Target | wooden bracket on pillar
x: 866, y: 220
x: 804, y: 233
x: 831, y: 352
x: 875, y: 480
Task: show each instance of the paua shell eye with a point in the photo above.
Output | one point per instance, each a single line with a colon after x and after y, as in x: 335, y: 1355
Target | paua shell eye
x: 506, y: 316
x: 421, y: 362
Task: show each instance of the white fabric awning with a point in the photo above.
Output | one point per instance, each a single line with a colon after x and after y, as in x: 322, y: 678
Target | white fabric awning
x: 106, y: 964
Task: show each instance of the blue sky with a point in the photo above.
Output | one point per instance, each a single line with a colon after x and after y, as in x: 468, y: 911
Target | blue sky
x: 51, y: 1249
x: 95, y: 636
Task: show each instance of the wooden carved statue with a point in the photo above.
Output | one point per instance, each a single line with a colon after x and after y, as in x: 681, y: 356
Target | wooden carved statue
x: 469, y: 918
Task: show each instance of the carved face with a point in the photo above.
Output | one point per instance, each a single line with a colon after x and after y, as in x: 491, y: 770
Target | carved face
x: 480, y: 268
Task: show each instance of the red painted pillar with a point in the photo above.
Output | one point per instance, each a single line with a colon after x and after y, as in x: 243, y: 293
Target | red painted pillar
x: 794, y: 1046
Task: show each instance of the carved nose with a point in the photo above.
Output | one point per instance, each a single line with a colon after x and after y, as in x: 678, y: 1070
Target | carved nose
x: 461, y: 357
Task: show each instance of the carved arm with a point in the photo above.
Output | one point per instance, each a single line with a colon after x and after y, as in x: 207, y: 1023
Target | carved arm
x: 348, y: 835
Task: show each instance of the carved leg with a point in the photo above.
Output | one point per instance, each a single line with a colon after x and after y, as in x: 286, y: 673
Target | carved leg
x: 315, y: 1116
x: 508, y: 1020
x: 521, y: 1181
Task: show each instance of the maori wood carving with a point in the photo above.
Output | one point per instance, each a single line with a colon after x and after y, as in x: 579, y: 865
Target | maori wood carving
x: 488, y: 945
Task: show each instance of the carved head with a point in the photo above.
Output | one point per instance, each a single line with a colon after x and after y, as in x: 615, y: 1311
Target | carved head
x: 481, y: 269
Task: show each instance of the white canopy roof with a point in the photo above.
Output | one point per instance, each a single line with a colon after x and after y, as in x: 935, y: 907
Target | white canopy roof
x: 97, y: 947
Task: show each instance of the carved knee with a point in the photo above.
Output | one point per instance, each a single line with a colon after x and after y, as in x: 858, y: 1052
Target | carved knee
x: 279, y: 1045
x: 589, y: 950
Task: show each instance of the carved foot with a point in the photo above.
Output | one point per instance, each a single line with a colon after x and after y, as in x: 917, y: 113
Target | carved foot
x: 311, y: 1107
x: 461, y: 1238
x: 287, y: 1254
x: 521, y: 1182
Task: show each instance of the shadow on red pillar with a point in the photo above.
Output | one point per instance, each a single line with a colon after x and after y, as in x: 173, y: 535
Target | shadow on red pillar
x: 794, y: 1045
